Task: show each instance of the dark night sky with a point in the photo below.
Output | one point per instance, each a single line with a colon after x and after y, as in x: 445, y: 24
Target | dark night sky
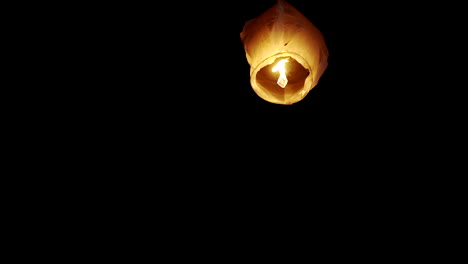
x: 372, y: 89
x: 152, y: 137
x: 201, y: 40
x: 147, y: 114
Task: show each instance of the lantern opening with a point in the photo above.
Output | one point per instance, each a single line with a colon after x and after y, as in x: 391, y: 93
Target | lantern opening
x: 268, y: 79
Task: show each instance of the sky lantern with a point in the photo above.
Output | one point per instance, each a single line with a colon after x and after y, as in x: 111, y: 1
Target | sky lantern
x: 287, y: 54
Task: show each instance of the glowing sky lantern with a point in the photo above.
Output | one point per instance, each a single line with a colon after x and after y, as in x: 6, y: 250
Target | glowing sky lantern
x: 287, y: 54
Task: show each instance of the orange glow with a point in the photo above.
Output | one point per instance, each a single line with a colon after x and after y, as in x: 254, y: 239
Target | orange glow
x: 283, y: 32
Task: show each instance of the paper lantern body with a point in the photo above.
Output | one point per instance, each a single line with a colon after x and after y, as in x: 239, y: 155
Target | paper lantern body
x: 282, y: 32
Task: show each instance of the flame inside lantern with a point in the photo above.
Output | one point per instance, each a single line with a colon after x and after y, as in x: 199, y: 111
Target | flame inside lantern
x: 282, y: 79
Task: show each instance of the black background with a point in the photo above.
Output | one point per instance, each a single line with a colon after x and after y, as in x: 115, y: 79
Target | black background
x: 172, y: 80
x: 187, y: 60
x: 165, y: 126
